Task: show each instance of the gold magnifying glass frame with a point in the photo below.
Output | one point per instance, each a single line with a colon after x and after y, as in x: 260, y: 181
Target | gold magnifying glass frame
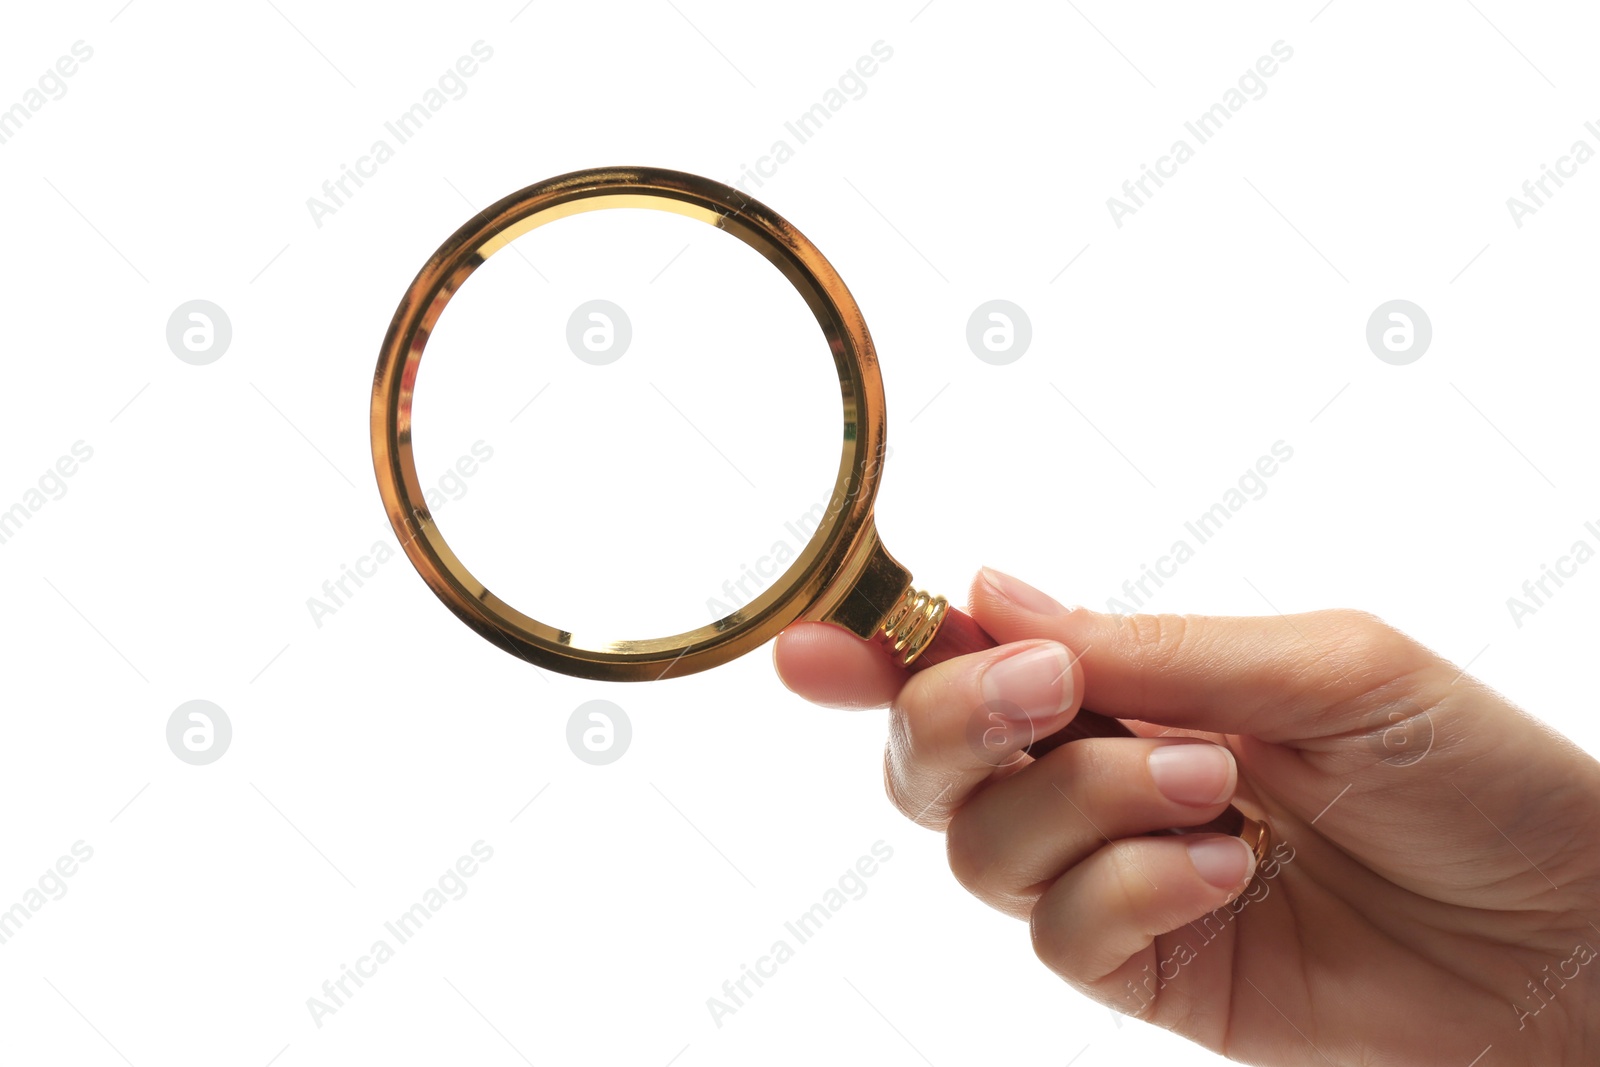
x: 843, y: 575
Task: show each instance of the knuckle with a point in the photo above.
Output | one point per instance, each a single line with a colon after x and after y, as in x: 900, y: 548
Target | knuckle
x: 969, y: 852
x: 911, y: 726
x: 1056, y: 943
x: 1049, y: 941
x: 1366, y: 647
x: 1076, y: 948
x: 1158, y: 640
x: 894, y: 786
x: 938, y: 723
x: 1071, y: 944
x: 1128, y: 879
x: 901, y: 735
x: 1362, y: 626
x: 913, y: 797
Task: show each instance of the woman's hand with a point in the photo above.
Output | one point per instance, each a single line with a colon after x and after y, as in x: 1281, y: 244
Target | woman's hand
x: 1433, y: 890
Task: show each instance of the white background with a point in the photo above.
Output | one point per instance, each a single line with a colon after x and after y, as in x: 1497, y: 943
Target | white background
x: 372, y: 751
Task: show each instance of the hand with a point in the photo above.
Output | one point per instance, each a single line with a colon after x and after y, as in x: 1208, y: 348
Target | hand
x: 1434, y: 884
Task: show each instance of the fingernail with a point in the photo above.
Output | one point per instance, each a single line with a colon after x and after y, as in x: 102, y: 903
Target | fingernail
x: 1021, y: 593
x: 1196, y: 774
x: 1225, y: 862
x: 1032, y: 685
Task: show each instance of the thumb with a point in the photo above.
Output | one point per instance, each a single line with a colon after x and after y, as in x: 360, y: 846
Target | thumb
x: 1279, y: 678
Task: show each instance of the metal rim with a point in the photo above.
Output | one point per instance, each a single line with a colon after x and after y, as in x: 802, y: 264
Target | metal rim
x: 843, y: 536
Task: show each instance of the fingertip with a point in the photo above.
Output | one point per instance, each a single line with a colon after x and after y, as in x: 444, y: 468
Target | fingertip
x: 999, y: 586
x: 1223, y: 862
x: 1011, y: 610
x: 829, y: 665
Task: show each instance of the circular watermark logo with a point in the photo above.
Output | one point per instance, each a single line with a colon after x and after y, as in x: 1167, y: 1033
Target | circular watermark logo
x: 997, y: 732
x: 199, y: 332
x: 999, y: 332
x: 599, y: 332
x: 198, y: 732
x: 1399, y: 332
x: 598, y: 732
x: 1401, y: 734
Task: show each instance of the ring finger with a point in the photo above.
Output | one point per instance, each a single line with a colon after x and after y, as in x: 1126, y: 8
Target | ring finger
x: 1013, y: 837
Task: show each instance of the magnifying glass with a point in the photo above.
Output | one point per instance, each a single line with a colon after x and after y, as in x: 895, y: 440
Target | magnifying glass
x: 843, y: 574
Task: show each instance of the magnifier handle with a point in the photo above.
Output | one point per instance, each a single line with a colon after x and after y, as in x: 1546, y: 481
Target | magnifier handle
x: 960, y: 634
